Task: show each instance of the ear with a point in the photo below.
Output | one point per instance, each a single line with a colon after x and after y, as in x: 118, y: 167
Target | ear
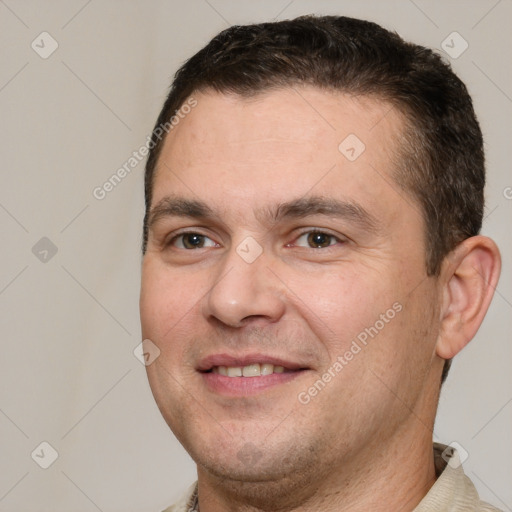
x: 469, y: 275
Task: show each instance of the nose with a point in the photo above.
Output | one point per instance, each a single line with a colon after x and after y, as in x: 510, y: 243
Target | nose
x: 245, y: 292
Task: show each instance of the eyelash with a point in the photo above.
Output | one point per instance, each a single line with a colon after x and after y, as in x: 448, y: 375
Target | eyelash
x: 316, y: 231
x: 309, y: 231
x: 173, y: 240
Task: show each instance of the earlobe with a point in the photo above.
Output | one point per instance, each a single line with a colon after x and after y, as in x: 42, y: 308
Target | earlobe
x: 470, y: 275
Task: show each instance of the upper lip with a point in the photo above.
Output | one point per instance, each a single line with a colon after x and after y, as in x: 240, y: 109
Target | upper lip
x: 245, y: 360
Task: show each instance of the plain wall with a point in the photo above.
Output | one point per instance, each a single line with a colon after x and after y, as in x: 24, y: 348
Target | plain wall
x: 69, y: 320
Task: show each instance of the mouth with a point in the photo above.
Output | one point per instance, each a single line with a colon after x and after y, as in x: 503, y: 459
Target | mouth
x: 251, y: 370
x: 243, y: 376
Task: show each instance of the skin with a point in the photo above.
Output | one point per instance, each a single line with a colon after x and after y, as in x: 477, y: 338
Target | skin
x: 364, y: 442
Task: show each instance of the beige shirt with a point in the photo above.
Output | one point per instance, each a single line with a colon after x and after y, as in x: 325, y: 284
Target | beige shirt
x: 453, y: 491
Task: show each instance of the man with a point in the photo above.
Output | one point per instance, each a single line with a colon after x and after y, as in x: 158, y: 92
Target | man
x: 312, y: 263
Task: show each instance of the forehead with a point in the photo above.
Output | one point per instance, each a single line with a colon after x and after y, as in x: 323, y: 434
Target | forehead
x: 300, y: 114
x: 278, y: 144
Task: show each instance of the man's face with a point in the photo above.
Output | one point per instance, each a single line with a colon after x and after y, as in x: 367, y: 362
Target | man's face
x: 270, y: 245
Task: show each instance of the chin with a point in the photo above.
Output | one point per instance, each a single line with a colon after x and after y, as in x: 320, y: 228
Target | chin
x: 267, y: 481
x: 238, y: 462
x: 257, y: 462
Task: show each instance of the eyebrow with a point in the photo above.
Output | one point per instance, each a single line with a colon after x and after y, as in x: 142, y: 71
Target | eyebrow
x: 171, y: 206
x: 179, y: 207
x: 316, y: 205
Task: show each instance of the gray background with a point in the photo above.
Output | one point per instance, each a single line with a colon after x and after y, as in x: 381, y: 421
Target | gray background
x: 69, y: 320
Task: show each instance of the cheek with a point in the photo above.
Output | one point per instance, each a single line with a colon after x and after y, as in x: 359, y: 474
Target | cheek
x: 166, y: 299
x: 340, y: 303
x: 166, y: 306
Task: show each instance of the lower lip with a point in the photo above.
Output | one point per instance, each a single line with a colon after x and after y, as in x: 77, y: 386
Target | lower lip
x: 245, y: 386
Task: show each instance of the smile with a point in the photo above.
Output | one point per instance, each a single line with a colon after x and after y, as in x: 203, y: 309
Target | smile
x: 251, y: 370
x: 244, y: 375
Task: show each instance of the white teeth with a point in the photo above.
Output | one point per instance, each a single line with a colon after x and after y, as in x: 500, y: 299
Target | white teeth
x: 267, y: 369
x: 251, y: 370
x: 234, y: 371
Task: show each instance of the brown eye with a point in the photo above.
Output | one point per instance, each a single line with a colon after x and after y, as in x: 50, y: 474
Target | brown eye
x: 192, y: 241
x: 319, y: 240
x: 316, y: 240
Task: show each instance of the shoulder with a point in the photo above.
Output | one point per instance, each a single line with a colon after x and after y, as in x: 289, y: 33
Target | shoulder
x: 453, y: 491
x: 485, y: 507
